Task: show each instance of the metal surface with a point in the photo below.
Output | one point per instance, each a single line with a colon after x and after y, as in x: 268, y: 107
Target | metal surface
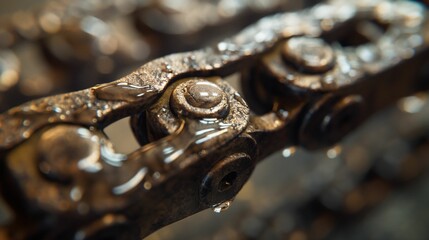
x: 314, y: 75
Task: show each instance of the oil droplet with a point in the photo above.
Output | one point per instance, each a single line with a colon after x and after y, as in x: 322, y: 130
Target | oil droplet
x: 57, y: 109
x: 329, y: 81
x: 413, y: 104
x: 123, y: 91
x: 26, y: 134
x: 191, y: 62
x: 334, y: 152
x: 288, y: 152
x: 218, y: 208
x: 76, y: 194
x: 166, y: 68
x: 147, y: 185
x: 283, y: 113
x: 225, y: 46
x: 26, y: 123
x: 290, y: 77
x: 156, y: 175
x: 132, y: 183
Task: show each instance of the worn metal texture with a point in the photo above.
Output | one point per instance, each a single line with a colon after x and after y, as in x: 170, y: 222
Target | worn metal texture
x: 52, y: 46
x: 312, y: 76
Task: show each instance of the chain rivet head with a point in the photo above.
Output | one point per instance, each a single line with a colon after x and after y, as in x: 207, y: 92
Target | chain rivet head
x: 204, y: 94
x: 310, y: 55
x: 200, y: 98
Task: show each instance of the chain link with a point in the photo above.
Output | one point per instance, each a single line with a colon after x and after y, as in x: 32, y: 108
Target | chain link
x: 200, y: 140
